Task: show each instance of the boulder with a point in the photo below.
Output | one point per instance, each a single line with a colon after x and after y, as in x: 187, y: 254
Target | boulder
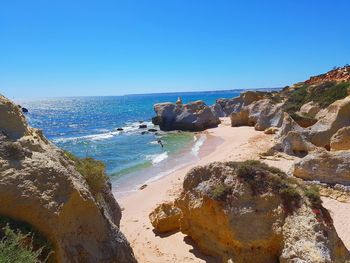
x: 337, y: 117
x: 326, y: 167
x: 271, y: 115
x: 194, y: 116
x: 262, y: 114
x: 309, y: 109
x: 288, y: 124
x: 341, y: 139
x: 224, y: 107
x: 217, y: 110
x: 143, y: 126
x: 294, y: 143
x: 40, y: 185
x: 241, y: 118
x: 165, y: 218
x: 243, y: 212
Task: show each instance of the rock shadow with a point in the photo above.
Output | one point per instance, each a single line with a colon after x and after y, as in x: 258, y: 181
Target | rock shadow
x: 195, y: 251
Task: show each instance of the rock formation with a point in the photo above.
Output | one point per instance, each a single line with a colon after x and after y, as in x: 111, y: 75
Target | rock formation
x: 324, y: 166
x: 194, y: 116
x: 318, y: 135
x: 336, y: 117
x: 340, y: 74
x: 165, y: 218
x: 249, y: 212
x: 310, y: 109
x: 224, y: 107
x: 341, y: 139
x: 40, y: 186
x: 262, y: 114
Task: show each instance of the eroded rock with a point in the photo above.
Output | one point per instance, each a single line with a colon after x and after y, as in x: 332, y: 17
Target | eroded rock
x: 324, y: 166
x: 194, y: 116
x: 165, y: 218
x: 337, y: 117
x: 341, y: 139
x: 242, y: 213
x: 262, y: 114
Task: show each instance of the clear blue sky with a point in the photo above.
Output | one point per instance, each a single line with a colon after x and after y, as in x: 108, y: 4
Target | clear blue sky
x: 73, y: 47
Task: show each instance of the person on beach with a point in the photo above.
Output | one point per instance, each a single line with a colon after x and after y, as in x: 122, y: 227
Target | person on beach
x: 160, y: 143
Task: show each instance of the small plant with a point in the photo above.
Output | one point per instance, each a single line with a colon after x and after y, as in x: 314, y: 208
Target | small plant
x: 291, y: 198
x: 313, y: 194
x: 92, y: 170
x: 262, y: 178
x: 19, y: 239
x: 220, y: 192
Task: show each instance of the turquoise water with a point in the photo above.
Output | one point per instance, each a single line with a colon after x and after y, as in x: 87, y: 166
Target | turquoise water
x: 87, y: 126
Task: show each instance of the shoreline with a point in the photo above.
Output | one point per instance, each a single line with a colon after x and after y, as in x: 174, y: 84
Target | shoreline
x: 131, y: 183
x: 223, y: 143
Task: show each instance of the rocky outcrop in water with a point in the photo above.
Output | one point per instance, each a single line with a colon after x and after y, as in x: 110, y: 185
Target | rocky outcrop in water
x: 41, y: 186
x: 248, y: 212
x: 193, y: 116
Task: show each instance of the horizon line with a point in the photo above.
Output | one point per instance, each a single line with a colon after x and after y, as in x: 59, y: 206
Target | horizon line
x: 149, y: 94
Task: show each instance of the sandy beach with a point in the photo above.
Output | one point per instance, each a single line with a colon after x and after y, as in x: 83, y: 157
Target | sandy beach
x: 223, y: 143
x: 235, y: 144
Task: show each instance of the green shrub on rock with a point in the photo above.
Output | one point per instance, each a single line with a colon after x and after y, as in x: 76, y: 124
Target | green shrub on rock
x: 92, y: 170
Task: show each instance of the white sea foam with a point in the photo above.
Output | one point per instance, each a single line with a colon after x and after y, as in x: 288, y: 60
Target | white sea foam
x: 197, y: 146
x: 130, y: 128
x: 157, y: 158
x: 92, y: 137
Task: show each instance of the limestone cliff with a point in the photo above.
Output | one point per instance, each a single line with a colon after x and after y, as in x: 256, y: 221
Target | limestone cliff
x: 40, y: 186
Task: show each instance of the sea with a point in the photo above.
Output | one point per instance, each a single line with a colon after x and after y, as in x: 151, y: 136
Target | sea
x: 88, y: 127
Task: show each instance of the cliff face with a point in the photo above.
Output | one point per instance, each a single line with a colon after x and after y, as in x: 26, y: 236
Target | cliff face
x: 40, y: 186
x: 337, y: 74
x: 249, y: 212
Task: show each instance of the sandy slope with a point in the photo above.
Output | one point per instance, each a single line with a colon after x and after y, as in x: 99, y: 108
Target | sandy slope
x: 223, y: 144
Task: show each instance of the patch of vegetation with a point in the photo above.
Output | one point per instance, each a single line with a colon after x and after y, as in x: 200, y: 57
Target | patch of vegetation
x: 296, y: 99
x: 220, y: 192
x: 21, y: 243
x: 328, y: 93
x: 324, y: 94
x: 92, y: 170
x: 313, y: 194
x: 274, y: 97
x: 303, y: 120
x: 12, y: 150
x: 262, y: 178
